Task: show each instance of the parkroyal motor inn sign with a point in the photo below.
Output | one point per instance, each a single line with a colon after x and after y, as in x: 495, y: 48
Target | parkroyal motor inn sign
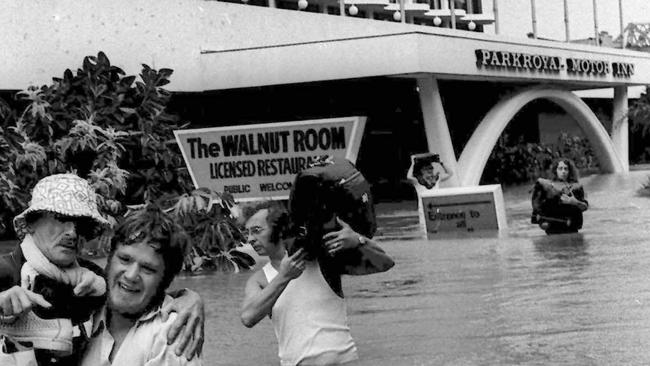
x: 551, y: 64
x: 261, y: 161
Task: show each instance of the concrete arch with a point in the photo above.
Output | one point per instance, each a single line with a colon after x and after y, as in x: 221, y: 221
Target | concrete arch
x: 475, y: 154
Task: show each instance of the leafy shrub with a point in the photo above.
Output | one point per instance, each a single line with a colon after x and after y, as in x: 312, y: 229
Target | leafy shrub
x: 526, y: 161
x: 639, y: 119
x: 113, y: 130
x: 639, y: 114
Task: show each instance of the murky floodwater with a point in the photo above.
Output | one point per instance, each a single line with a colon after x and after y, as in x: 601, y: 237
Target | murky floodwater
x: 520, y: 298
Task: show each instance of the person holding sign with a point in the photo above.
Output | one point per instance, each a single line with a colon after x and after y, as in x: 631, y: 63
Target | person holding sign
x: 425, y: 173
x: 309, y: 315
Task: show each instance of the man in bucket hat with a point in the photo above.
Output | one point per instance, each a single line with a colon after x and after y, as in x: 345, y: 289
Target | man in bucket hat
x: 46, y: 289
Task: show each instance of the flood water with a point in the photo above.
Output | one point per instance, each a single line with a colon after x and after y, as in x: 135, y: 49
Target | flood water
x: 518, y: 298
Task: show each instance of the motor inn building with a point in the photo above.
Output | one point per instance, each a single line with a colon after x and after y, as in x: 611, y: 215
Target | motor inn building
x: 425, y: 75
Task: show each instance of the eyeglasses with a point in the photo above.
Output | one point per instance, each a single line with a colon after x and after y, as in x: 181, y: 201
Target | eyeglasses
x: 65, y: 218
x: 83, y: 226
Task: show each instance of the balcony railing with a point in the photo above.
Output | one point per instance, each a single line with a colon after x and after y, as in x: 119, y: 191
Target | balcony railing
x: 459, y: 14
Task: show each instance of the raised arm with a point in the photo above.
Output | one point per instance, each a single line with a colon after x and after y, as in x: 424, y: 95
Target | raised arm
x: 260, y: 297
x: 409, y: 173
x: 448, y: 173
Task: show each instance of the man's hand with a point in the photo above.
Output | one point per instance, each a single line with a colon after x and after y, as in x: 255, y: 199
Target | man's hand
x: 190, y: 319
x: 292, y: 266
x: 17, y: 300
x: 90, y: 284
x: 346, y: 238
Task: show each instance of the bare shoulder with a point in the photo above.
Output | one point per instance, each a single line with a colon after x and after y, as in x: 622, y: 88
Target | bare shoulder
x: 258, y: 279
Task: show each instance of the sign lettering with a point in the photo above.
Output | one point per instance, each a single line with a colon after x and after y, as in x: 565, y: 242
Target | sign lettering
x: 463, y: 209
x: 491, y: 59
x: 260, y: 161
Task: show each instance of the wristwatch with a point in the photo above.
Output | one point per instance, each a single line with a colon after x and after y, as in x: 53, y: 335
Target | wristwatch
x: 362, y: 240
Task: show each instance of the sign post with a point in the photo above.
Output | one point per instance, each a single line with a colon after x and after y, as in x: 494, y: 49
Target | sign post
x: 260, y: 161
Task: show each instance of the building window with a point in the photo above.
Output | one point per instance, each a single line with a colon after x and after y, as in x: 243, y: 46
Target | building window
x: 333, y: 10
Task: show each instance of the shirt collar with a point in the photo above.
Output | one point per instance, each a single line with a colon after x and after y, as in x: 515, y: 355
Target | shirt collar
x: 99, y: 319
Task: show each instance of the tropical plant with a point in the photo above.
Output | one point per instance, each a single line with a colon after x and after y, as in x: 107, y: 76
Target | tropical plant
x: 206, y: 218
x: 12, y: 197
x: 579, y: 150
x: 639, y: 120
x: 526, y: 161
x: 636, y: 36
x: 115, y: 131
x: 639, y: 114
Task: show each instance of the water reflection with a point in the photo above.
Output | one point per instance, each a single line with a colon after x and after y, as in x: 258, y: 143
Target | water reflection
x: 568, y: 247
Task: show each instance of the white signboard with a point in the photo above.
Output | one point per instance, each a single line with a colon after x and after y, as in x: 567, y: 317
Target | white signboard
x: 463, y: 209
x: 260, y: 161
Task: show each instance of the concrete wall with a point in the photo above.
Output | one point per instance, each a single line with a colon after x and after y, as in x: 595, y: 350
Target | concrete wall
x: 40, y: 39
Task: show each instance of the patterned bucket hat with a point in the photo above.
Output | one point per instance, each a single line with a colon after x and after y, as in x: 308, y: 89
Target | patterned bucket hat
x: 66, y: 194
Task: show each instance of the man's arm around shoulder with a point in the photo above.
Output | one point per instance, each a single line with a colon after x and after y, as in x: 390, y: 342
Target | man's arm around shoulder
x: 163, y: 354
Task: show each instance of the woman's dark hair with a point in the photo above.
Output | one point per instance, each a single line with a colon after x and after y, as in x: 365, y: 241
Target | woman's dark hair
x: 419, y: 166
x: 573, y: 176
x: 151, y: 224
x: 424, y: 162
x: 278, y: 218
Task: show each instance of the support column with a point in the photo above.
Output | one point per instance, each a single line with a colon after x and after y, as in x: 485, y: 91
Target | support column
x: 567, y: 34
x: 436, y: 128
x: 533, y: 14
x: 620, y: 128
x: 495, y: 10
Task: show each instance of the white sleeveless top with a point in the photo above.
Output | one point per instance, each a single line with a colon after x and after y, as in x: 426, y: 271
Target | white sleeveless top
x: 310, y: 321
x: 420, y: 190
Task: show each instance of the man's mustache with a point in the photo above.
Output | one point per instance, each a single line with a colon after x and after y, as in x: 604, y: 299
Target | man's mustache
x: 66, y: 240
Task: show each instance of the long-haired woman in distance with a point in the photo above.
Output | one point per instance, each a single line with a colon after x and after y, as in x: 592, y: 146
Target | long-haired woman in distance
x: 558, y: 203
x: 566, y: 179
